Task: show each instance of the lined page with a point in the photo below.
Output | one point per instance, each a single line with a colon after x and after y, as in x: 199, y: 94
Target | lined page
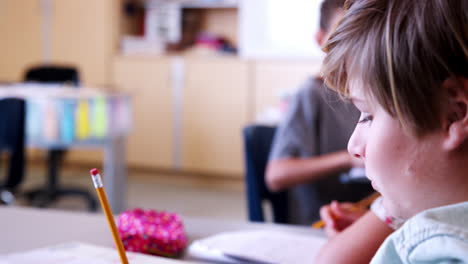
x: 266, y: 246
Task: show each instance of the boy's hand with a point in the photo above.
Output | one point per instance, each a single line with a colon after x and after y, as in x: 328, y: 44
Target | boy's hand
x: 338, y: 216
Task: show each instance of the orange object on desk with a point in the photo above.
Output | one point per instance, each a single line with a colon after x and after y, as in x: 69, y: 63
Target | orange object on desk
x: 359, y: 205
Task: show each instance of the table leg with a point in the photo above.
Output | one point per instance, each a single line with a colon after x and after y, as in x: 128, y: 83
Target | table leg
x: 115, y: 174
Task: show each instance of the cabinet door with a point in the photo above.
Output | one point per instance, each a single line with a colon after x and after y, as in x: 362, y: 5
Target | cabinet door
x: 84, y: 33
x: 21, y: 43
x: 215, y: 109
x: 273, y: 78
x: 150, y: 143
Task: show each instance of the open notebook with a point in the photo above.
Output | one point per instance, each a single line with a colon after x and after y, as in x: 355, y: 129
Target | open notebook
x: 257, y: 247
x: 79, y: 253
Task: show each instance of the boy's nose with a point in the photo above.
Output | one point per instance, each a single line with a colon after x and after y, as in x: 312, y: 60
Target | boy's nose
x: 356, y: 145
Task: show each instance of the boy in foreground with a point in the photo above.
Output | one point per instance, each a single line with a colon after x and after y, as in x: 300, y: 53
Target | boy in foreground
x: 404, y: 64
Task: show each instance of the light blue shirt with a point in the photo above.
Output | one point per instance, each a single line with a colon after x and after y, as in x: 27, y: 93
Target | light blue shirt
x: 438, y: 235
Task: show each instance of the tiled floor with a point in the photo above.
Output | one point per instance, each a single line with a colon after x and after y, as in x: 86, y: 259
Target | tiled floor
x: 188, y: 195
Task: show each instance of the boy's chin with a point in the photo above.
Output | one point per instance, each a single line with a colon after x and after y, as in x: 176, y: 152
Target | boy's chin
x: 393, y: 209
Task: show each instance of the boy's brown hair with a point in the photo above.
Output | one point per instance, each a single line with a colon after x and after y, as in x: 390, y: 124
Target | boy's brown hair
x: 401, y: 51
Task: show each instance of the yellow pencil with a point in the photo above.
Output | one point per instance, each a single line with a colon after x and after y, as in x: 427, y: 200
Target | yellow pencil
x: 361, y: 204
x: 107, y: 210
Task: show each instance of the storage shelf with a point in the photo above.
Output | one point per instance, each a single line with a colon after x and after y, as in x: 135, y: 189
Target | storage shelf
x: 205, y: 4
x: 209, y: 5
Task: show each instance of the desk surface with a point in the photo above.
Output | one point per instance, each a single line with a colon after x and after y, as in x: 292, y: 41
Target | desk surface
x: 28, y: 228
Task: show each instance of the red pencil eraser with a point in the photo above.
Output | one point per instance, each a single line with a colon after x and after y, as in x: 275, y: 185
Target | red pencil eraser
x: 94, y: 171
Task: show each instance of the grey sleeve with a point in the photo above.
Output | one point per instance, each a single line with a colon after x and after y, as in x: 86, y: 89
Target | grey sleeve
x: 297, y: 134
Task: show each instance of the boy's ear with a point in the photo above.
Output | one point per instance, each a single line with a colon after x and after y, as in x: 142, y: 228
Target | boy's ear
x: 456, y: 112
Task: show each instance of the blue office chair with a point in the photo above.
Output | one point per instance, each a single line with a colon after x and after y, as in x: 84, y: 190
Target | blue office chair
x: 12, y: 131
x: 42, y: 197
x: 257, y: 145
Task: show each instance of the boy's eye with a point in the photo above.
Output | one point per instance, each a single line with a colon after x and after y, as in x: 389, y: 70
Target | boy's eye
x: 365, y: 118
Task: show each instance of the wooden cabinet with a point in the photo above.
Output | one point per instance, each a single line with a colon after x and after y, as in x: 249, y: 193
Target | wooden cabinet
x: 85, y: 33
x: 81, y: 33
x: 215, y: 109
x: 188, y: 116
x: 272, y: 78
x: 21, y: 43
x: 148, y: 82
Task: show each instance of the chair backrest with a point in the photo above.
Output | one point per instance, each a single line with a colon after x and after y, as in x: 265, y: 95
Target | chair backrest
x: 53, y: 74
x: 257, y: 145
x: 12, y: 138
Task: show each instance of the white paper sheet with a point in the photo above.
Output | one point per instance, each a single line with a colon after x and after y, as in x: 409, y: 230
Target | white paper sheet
x: 79, y: 253
x: 267, y: 246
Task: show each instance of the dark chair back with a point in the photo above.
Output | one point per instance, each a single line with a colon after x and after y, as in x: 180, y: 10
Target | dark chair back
x: 12, y: 139
x: 257, y: 145
x: 53, y: 74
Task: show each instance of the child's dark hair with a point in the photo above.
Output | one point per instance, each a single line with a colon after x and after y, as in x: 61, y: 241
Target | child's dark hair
x: 327, y: 11
x: 401, y: 51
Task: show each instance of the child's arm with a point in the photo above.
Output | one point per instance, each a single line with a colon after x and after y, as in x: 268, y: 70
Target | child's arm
x: 288, y: 172
x: 357, y: 243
